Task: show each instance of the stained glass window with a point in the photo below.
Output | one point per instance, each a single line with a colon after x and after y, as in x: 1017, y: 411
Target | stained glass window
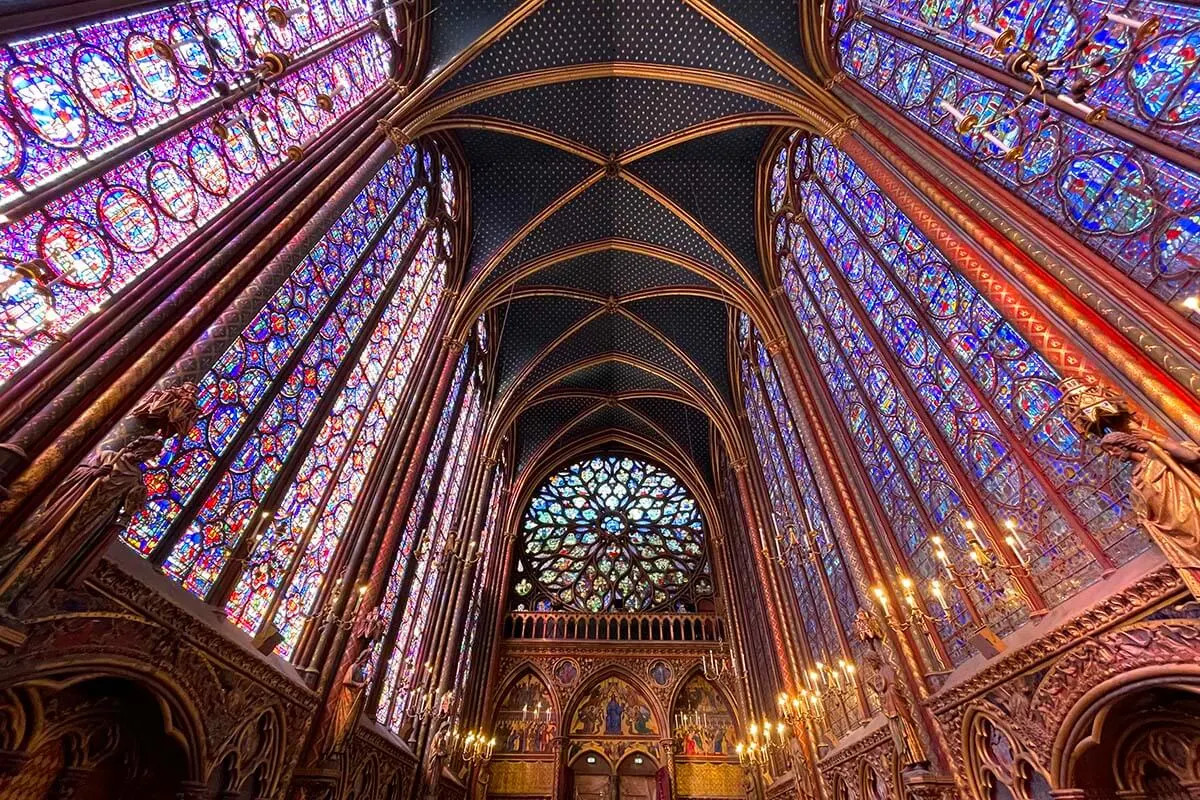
x: 175, y: 124
x: 950, y: 409
x: 287, y: 325
x: 612, y: 534
x: 237, y: 489
x: 312, y: 516
x: 1134, y: 205
x: 801, y: 520
x: 401, y: 671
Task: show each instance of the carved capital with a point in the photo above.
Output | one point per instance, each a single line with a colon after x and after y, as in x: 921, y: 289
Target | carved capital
x: 837, y: 132
x: 738, y: 465
x: 775, y: 346
x: 395, y: 133
x: 453, y: 344
x: 834, y: 79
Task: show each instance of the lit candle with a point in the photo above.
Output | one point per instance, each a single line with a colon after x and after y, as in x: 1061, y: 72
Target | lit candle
x: 1011, y: 524
x: 936, y: 587
x: 1011, y: 541
x: 881, y: 597
x: 979, y: 27
x: 973, y: 530
x: 1192, y: 303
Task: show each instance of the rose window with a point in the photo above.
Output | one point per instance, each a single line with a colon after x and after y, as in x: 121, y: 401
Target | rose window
x: 612, y: 534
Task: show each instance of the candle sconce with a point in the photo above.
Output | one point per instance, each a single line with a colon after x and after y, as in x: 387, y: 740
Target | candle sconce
x: 346, y: 620
x: 1068, y: 78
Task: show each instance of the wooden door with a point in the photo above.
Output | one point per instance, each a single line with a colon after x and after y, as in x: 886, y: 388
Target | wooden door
x: 591, y: 787
x: 637, y: 787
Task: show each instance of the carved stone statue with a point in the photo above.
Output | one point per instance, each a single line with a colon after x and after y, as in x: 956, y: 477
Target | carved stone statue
x: 435, y: 758
x: 910, y: 750
x: 351, y: 685
x: 65, y: 537
x: 886, y: 682
x: 1165, y: 484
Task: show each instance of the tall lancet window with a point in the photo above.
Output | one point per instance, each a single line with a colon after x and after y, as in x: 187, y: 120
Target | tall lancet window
x: 487, y: 551
x: 810, y: 536
x: 1126, y: 186
x: 294, y: 412
x: 957, y: 420
x: 402, y: 676
x: 124, y: 138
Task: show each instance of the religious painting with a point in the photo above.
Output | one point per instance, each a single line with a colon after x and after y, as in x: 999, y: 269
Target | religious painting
x: 703, y: 724
x: 566, y: 672
x: 660, y: 673
x: 525, y: 720
x: 613, y: 708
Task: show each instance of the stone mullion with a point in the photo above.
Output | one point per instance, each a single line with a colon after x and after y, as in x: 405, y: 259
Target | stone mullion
x: 1189, y: 161
x: 241, y: 290
x: 822, y: 576
x: 1076, y: 525
x: 425, y: 527
x: 347, y: 650
x: 756, y: 636
x: 770, y: 601
x: 806, y: 646
x: 491, y: 612
x: 967, y: 488
x: 187, y: 279
x: 495, y: 628
x: 845, y: 466
x: 373, y: 494
x: 1148, y: 322
x: 187, y: 514
x: 898, y: 556
x: 970, y: 256
x: 447, y: 592
x: 467, y: 572
x: 296, y: 459
x: 446, y: 565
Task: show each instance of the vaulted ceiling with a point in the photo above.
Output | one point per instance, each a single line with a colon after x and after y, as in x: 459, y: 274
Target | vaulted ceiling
x: 613, y: 149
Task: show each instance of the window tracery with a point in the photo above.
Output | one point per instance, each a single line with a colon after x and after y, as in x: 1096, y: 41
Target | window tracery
x: 402, y: 675
x: 262, y: 482
x: 167, y: 103
x: 1132, y: 203
x: 941, y: 396
x: 612, y: 533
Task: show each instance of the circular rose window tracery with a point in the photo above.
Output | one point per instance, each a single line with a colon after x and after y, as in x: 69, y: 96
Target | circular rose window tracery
x: 612, y: 533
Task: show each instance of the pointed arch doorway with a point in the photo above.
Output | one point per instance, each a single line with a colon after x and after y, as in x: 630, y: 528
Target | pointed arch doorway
x: 594, y: 777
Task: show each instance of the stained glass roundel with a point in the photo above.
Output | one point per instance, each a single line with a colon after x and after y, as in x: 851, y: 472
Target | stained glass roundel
x: 612, y: 534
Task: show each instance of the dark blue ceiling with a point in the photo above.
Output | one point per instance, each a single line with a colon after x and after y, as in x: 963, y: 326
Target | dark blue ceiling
x: 710, y: 179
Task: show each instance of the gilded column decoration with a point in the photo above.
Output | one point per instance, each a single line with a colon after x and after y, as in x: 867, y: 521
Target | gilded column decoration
x: 1165, y: 482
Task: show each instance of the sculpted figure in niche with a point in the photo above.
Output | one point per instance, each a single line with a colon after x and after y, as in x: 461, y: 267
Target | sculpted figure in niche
x: 1165, y: 484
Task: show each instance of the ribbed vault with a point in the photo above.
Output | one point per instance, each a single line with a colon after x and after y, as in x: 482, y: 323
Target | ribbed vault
x: 613, y: 150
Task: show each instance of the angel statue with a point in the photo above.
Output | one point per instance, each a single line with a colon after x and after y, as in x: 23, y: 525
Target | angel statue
x: 1165, y: 482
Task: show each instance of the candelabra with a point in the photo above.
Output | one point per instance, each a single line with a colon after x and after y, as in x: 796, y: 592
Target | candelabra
x: 752, y: 755
x: 715, y: 666
x: 477, y: 747
x: 345, y: 621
